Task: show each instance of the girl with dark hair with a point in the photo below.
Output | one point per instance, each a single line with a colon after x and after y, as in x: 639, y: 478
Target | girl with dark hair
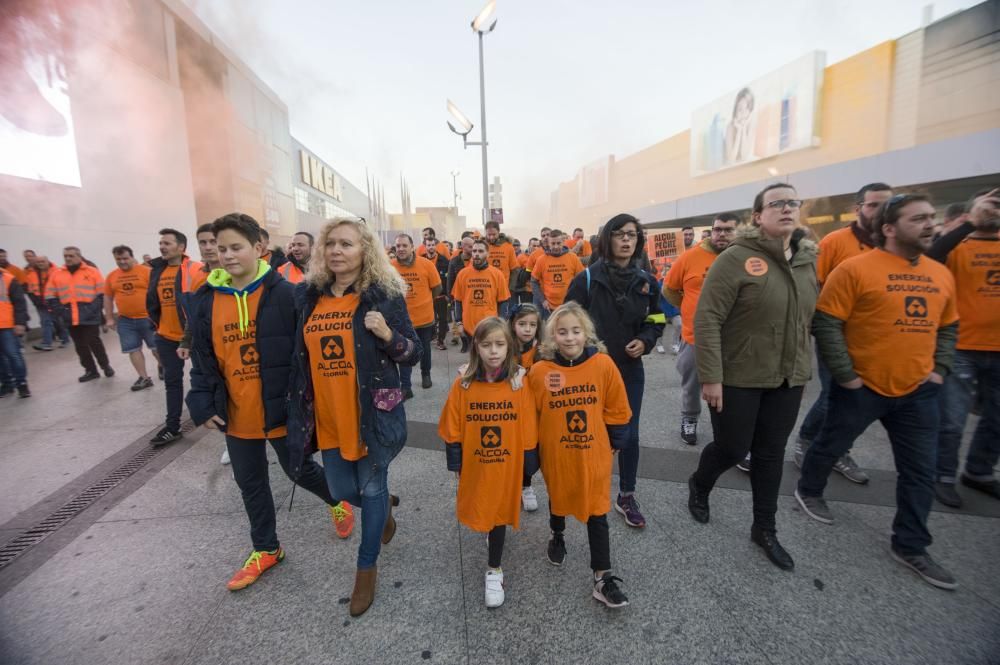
x: 754, y: 356
x: 489, y: 428
x: 525, y: 327
x: 624, y: 302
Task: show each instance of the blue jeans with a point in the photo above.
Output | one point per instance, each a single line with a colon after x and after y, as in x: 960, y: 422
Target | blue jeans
x: 13, y: 371
x: 972, y: 371
x: 912, y: 424
x: 634, y: 376
x: 173, y: 381
x: 813, y: 422
x: 133, y: 332
x: 426, y: 335
x: 355, y: 483
x: 51, y: 323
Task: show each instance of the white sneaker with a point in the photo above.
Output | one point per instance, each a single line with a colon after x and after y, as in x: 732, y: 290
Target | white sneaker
x: 660, y: 349
x: 675, y: 349
x: 494, y: 588
x: 225, y: 457
x: 528, y: 499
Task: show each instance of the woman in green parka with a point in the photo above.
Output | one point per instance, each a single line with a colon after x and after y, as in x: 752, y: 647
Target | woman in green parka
x: 754, y: 356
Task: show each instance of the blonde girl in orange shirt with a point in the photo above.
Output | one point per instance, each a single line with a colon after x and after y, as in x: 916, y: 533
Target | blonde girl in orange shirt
x: 525, y: 325
x: 583, y: 418
x: 490, y: 433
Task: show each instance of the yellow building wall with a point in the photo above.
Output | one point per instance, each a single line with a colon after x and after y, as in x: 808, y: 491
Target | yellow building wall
x: 854, y: 112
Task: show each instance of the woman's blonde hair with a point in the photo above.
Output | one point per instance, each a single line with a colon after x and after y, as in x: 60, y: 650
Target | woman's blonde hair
x: 376, y: 270
x: 484, y: 329
x: 548, y: 348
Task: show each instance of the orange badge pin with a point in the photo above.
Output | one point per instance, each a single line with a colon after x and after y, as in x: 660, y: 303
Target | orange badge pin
x: 554, y: 381
x: 755, y: 266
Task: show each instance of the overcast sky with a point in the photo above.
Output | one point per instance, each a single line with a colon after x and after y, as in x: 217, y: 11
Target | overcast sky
x: 567, y: 81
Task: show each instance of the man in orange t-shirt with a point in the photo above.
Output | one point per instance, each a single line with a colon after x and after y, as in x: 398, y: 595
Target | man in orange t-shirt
x: 479, y: 291
x: 681, y: 288
x: 834, y: 249
x: 501, y: 252
x: 423, y: 286
x: 125, y: 289
x: 552, y: 274
x: 578, y: 245
x: 972, y: 254
x: 886, y: 324
x: 440, y: 247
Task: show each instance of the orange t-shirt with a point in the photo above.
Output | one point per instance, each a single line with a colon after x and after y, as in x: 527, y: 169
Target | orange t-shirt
x: 533, y: 259
x: 891, y: 311
x: 975, y: 264
x: 480, y: 292
x: 687, y: 276
x: 586, y: 250
x: 835, y: 248
x: 330, y: 343
x: 575, y: 405
x: 239, y: 363
x: 528, y: 357
x: 421, y: 277
x: 128, y: 290
x: 502, y: 257
x: 555, y: 273
x: 495, y: 425
x: 170, y: 322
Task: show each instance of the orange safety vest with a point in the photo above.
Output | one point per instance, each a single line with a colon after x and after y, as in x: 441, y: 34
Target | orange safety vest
x: 73, y: 289
x: 36, y: 284
x: 6, y: 306
x: 291, y: 272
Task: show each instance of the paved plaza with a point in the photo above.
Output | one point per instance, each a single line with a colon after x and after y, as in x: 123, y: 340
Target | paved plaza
x: 138, y: 576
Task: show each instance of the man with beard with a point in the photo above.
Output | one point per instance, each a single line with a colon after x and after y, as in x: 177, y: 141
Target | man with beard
x: 834, y: 249
x: 480, y: 291
x: 299, y: 251
x: 552, y: 274
x: 682, y: 288
x: 440, y: 263
x: 501, y: 253
x: 688, y: 232
x: 885, y: 325
x: 423, y: 286
x: 972, y: 253
x: 80, y: 290
x: 458, y: 263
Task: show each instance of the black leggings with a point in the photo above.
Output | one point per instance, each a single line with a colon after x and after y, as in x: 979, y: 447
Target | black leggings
x: 597, y: 535
x: 756, y: 421
x: 494, y: 543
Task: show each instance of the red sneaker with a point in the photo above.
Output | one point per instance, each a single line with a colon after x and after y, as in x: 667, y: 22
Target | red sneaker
x: 343, y: 519
x: 254, y: 567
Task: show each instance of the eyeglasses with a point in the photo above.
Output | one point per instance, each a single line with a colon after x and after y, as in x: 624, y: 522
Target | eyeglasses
x: 724, y: 231
x: 622, y: 235
x: 780, y: 204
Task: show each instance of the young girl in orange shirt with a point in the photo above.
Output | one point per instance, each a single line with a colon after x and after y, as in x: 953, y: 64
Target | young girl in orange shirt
x: 489, y: 428
x: 525, y: 327
x: 583, y: 418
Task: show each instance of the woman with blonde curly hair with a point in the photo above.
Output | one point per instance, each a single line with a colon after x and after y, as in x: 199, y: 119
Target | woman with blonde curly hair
x: 346, y: 401
x: 583, y: 417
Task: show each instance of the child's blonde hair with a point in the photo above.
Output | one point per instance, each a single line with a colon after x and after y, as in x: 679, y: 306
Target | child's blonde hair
x: 484, y: 329
x: 548, y: 348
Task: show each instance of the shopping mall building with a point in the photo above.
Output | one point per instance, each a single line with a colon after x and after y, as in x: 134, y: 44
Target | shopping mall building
x: 921, y: 112
x: 121, y: 118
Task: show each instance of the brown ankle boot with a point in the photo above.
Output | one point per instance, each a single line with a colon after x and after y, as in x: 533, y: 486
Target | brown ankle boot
x: 389, y: 530
x: 364, y: 590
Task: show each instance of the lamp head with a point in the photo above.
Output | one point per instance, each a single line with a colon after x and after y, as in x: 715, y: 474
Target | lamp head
x: 486, y: 20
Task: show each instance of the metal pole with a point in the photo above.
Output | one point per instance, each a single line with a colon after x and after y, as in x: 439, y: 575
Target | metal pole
x: 454, y: 189
x: 482, y: 129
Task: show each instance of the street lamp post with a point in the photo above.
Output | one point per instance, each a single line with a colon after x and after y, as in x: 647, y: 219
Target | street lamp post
x: 483, y: 23
x: 454, y: 188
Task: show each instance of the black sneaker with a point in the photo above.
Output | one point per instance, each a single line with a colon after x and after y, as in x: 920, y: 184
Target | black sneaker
x: 689, y: 430
x: 945, y: 493
x: 425, y: 381
x: 6, y: 390
x: 22, y: 391
x: 407, y: 394
x: 89, y: 376
x: 109, y: 371
x: 768, y: 541
x: 465, y: 345
x: 744, y: 465
x: 927, y: 568
x: 697, y: 502
x: 41, y: 347
x: 557, y: 549
x: 990, y: 487
x: 606, y: 590
x: 159, y: 372
x: 141, y: 384
x: 165, y: 436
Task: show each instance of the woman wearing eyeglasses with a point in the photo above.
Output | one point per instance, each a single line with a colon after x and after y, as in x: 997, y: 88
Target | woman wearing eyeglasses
x: 623, y: 300
x: 754, y: 358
